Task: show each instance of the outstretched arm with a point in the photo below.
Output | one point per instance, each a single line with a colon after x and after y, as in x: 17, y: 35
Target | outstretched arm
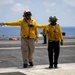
x: 15, y: 23
x: 41, y: 25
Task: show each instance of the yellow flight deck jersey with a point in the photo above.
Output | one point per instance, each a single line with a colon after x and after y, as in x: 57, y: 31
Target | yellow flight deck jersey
x: 26, y: 31
x: 54, y: 32
x: 44, y: 32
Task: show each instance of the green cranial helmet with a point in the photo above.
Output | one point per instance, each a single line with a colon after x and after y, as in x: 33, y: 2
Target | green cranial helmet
x: 53, y: 19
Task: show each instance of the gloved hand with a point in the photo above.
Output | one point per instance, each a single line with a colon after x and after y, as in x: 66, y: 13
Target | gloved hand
x: 2, y: 24
x: 61, y: 42
x: 36, y: 40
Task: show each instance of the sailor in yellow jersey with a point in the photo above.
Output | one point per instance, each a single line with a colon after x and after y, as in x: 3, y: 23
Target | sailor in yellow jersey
x: 44, y: 33
x: 54, y: 37
x: 28, y: 33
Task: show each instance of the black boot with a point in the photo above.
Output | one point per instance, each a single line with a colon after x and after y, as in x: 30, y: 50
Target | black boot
x: 51, y: 66
x: 31, y: 63
x: 24, y: 65
x: 55, y: 66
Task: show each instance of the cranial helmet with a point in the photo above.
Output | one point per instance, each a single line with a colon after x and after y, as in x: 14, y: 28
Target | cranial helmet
x: 27, y: 13
x: 53, y: 19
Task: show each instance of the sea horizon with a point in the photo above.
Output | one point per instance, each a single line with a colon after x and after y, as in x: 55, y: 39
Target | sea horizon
x: 9, y: 31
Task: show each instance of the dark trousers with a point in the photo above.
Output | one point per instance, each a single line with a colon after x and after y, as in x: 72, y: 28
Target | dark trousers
x: 53, y: 52
x: 45, y: 39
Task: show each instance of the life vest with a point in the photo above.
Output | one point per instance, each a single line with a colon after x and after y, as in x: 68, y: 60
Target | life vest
x: 54, y: 32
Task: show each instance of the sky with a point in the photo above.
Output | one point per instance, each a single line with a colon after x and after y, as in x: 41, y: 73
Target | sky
x: 64, y: 10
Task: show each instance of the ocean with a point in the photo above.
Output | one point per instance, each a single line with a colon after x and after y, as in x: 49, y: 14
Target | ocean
x: 9, y: 31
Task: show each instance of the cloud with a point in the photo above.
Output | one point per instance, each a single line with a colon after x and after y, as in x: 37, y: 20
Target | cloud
x: 18, y: 7
x: 70, y: 2
x: 5, y: 3
x: 48, y: 4
x: 69, y: 10
x: 47, y: 10
x: 2, y: 2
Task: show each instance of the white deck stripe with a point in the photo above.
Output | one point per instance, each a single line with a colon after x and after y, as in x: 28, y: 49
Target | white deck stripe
x: 35, y: 47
